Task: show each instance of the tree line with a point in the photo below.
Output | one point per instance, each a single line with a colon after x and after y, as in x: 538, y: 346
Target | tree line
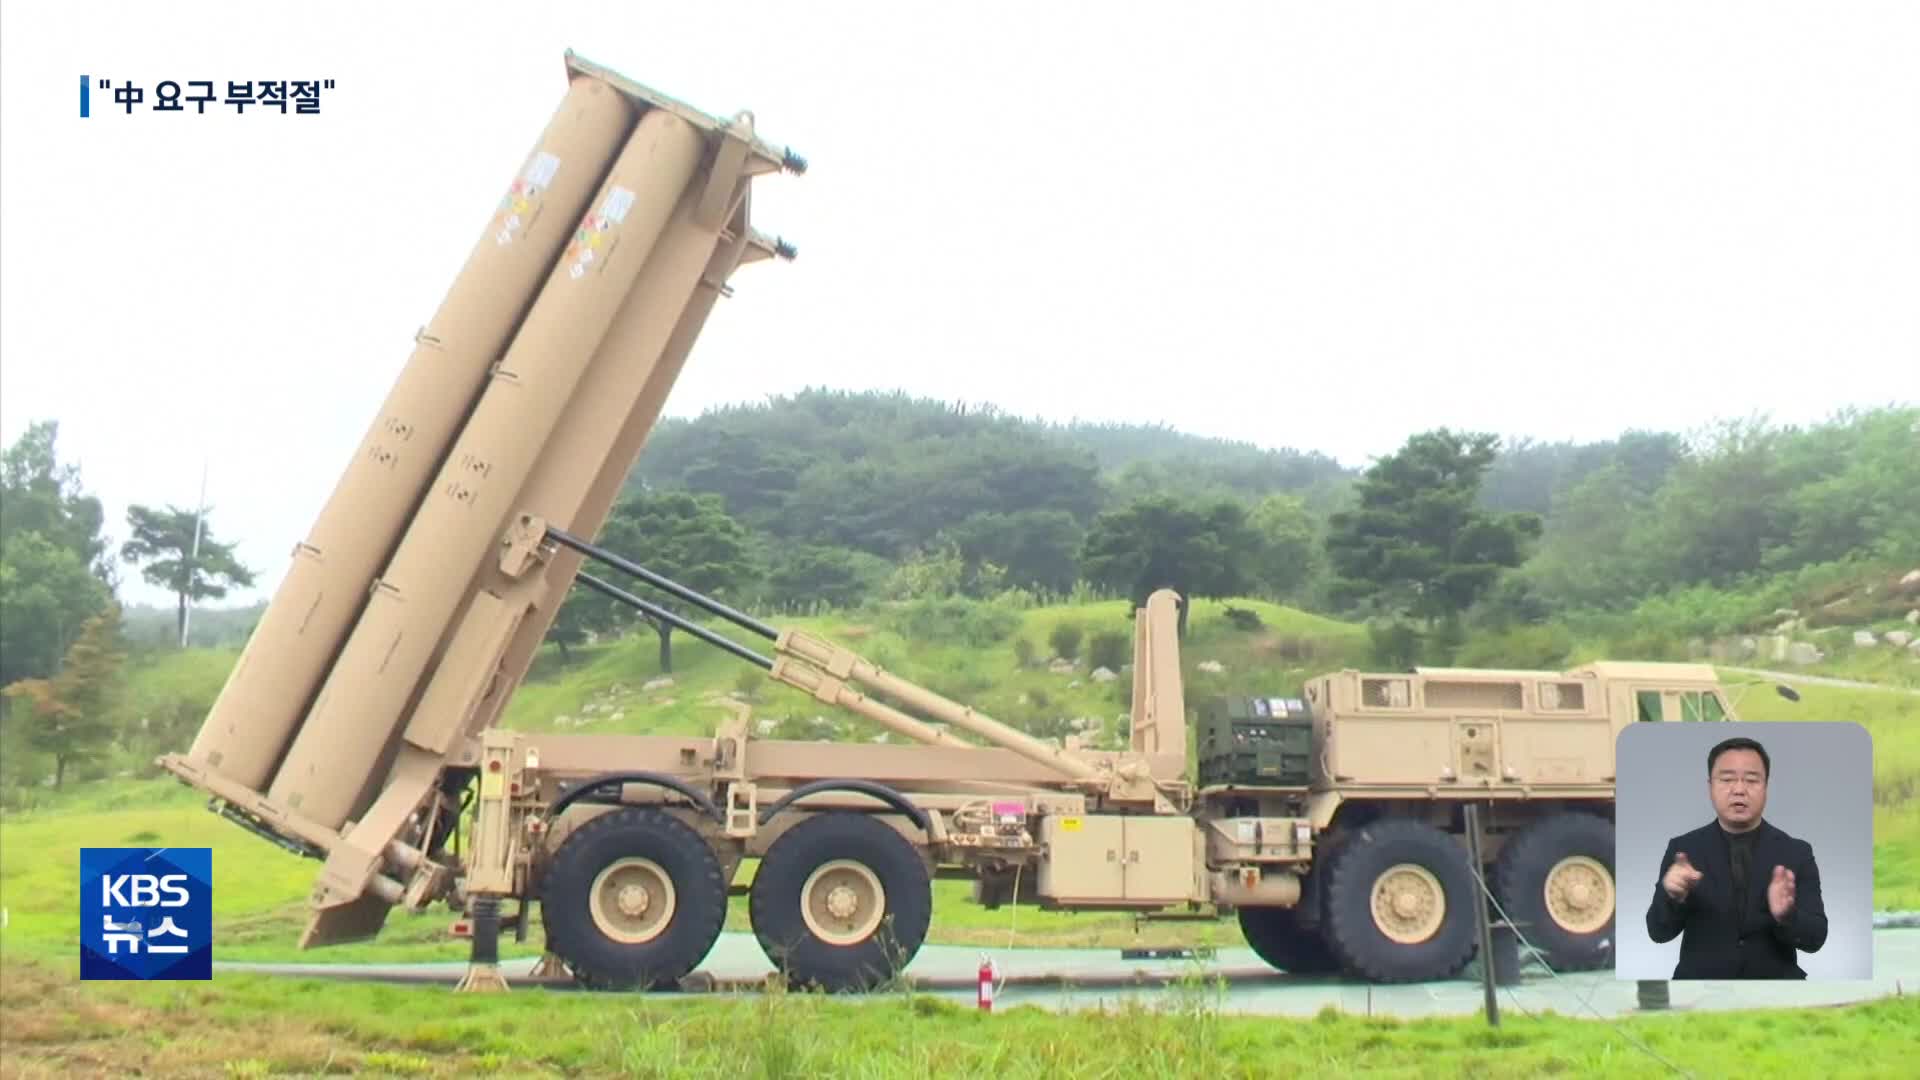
x: 62, y: 636
x: 831, y: 499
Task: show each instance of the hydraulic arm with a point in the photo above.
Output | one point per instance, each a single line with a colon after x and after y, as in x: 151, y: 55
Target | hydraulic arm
x: 830, y: 673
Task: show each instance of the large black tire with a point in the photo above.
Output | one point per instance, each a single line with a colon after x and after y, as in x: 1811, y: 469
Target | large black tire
x: 1275, y: 934
x: 1357, y: 938
x: 851, y: 853
x: 608, y: 866
x: 1569, y: 929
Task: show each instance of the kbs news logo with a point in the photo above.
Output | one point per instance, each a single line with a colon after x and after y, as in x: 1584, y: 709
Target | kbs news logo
x: 146, y: 913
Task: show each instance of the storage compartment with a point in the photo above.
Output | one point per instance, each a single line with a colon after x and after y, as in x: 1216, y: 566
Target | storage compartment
x: 1118, y: 859
x: 1255, y: 741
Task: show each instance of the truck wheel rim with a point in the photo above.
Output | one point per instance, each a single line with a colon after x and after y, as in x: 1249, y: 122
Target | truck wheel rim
x: 1579, y: 894
x: 632, y: 900
x: 1408, y: 903
x: 842, y: 902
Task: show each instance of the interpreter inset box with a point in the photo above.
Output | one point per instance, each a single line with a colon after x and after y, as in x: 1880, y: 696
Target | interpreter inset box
x: 1744, y: 851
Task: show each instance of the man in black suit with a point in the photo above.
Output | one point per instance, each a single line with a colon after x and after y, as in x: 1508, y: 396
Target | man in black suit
x: 1742, y: 896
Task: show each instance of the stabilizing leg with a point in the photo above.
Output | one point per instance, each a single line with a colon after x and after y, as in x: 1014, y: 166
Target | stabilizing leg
x: 483, y: 968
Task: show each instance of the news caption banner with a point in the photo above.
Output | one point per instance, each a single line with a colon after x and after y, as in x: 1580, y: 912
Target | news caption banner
x: 146, y: 914
x: 301, y: 96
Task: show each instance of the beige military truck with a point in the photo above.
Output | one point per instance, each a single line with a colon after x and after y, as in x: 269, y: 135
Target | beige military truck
x: 360, y: 724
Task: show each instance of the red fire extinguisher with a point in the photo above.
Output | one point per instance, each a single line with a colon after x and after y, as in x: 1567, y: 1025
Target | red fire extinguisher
x: 985, y: 996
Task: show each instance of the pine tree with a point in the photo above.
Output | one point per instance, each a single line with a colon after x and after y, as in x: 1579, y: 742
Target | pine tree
x: 73, y: 712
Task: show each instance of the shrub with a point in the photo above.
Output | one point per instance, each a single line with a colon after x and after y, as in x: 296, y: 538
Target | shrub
x: 1534, y: 647
x: 1024, y: 651
x: 1049, y: 727
x: 1244, y: 618
x: 1643, y: 644
x: 1109, y: 649
x: 956, y: 620
x: 1065, y: 640
x: 1016, y: 599
x: 1395, y: 645
x: 750, y: 683
x: 1296, y: 648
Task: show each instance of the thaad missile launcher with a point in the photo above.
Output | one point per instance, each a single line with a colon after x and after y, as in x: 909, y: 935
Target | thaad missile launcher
x: 360, y: 726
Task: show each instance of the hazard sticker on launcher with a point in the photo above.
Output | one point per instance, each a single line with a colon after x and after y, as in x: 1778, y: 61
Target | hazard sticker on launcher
x: 522, y: 202
x: 591, y: 242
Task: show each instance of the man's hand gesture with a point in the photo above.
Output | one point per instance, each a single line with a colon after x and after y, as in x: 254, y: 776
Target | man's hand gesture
x: 1681, y: 877
x: 1780, y: 893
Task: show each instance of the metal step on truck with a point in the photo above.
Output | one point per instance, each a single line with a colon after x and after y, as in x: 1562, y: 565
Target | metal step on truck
x: 360, y: 725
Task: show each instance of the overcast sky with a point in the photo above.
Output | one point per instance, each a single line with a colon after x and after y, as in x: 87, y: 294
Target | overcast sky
x: 1312, y: 225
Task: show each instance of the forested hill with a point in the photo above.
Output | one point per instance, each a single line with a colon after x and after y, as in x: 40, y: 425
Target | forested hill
x: 886, y: 473
x: 833, y: 490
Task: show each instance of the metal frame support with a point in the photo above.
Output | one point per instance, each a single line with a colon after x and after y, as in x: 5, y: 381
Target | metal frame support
x: 1480, y: 919
x: 483, y: 964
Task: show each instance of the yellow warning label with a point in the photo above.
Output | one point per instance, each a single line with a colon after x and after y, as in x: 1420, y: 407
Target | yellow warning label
x: 491, y: 785
x: 1070, y: 824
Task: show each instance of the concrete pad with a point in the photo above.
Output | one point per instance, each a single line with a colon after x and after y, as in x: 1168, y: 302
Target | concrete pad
x: 1094, y: 978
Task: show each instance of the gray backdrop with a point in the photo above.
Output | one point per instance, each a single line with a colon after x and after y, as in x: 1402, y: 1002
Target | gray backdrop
x: 1821, y: 792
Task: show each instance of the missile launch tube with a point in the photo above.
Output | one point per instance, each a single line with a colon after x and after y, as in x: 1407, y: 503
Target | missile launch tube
x: 316, y: 603
x: 613, y: 471
x: 589, y: 434
x: 360, y: 706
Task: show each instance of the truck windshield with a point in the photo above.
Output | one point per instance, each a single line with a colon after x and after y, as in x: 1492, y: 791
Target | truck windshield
x: 1703, y: 705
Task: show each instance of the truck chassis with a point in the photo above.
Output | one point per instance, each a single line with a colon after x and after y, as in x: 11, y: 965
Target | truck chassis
x: 631, y: 865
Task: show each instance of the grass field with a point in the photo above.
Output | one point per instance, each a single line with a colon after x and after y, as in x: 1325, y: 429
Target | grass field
x: 1893, y: 721
x: 258, y: 1026
x: 246, y: 1026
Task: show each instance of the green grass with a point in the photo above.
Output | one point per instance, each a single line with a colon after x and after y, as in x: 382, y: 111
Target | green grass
x: 260, y: 894
x: 241, y: 1025
x: 1893, y: 722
